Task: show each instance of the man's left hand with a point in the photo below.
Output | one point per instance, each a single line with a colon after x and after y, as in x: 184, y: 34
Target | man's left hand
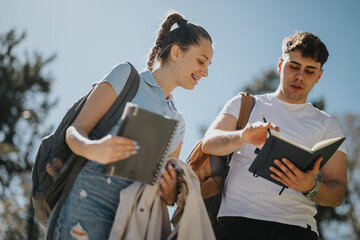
x: 293, y: 177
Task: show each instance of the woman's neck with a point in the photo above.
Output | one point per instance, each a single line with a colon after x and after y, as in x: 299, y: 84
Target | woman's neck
x: 163, y: 77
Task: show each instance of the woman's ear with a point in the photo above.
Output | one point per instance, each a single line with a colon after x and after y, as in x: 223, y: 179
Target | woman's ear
x: 175, y: 52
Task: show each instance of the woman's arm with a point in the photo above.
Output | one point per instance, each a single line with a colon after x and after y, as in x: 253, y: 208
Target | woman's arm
x: 109, y: 148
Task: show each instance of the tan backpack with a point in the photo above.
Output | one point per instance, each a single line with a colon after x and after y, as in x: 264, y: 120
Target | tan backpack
x: 212, y: 170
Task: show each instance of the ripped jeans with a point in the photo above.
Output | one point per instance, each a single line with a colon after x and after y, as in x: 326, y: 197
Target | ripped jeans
x: 90, y: 208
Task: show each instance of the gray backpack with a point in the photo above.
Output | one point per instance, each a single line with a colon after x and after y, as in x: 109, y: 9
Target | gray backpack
x: 56, y: 166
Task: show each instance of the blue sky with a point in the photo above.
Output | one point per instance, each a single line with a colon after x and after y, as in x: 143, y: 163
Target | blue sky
x: 89, y: 37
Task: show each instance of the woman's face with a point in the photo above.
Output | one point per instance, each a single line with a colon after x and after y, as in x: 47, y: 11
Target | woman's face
x: 192, y: 64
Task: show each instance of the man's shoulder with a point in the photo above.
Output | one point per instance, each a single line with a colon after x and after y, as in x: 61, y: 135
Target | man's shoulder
x: 265, y: 97
x: 318, y: 112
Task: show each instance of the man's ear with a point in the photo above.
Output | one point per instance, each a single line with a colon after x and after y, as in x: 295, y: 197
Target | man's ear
x: 281, y: 60
x: 175, y: 52
x: 320, y: 74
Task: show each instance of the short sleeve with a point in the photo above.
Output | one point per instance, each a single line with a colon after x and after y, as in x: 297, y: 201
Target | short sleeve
x: 118, y: 76
x: 334, y: 130
x: 233, y: 106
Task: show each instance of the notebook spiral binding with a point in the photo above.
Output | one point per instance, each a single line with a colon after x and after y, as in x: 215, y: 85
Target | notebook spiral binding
x: 156, y: 175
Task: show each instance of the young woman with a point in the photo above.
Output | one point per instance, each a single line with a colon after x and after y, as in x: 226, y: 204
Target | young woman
x: 184, y: 55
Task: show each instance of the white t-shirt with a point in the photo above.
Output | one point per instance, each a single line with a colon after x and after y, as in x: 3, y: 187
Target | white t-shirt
x: 257, y: 198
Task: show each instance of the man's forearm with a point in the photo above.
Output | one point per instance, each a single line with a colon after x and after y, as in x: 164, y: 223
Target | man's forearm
x: 220, y: 142
x: 331, y: 194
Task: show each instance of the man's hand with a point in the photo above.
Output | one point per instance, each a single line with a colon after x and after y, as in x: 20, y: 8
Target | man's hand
x: 256, y: 133
x: 293, y: 177
x: 222, y: 137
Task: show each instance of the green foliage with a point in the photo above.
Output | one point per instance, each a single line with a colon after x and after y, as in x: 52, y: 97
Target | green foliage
x: 24, y: 104
x: 268, y: 82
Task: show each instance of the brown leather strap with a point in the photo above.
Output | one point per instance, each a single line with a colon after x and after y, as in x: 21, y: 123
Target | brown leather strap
x: 245, y: 109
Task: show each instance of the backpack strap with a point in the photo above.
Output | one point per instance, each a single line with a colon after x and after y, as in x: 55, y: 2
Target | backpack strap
x: 114, y: 113
x: 247, y: 104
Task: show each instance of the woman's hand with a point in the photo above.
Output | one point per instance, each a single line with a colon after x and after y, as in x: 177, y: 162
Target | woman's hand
x: 112, y: 149
x: 168, y: 185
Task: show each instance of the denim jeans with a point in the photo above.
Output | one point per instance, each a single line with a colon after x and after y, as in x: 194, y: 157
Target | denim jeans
x: 90, y: 208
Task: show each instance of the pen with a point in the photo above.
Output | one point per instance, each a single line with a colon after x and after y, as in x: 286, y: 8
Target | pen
x: 263, y: 117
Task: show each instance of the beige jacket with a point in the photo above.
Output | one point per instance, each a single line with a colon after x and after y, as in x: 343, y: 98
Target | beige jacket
x: 141, y: 213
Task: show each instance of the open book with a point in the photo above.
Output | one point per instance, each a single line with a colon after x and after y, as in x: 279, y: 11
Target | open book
x: 154, y: 133
x: 277, y: 147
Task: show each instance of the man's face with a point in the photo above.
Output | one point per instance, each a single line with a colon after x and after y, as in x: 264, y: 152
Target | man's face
x: 298, y: 75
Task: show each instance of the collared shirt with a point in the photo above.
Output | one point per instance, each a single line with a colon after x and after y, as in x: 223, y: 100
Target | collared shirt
x: 149, y: 96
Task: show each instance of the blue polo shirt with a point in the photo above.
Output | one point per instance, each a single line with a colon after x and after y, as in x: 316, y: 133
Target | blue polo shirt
x: 149, y: 96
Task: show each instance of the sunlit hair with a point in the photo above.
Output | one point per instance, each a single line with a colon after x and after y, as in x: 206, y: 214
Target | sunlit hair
x: 310, y: 46
x: 185, y: 35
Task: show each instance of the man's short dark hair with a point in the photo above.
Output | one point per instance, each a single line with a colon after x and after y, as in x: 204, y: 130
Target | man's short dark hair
x: 310, y: 46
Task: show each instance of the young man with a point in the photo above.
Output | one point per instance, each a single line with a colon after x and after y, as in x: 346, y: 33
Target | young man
x: 252, y: 208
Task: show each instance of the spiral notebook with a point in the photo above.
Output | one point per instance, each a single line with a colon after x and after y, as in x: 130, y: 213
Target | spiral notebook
x: 154, y: 134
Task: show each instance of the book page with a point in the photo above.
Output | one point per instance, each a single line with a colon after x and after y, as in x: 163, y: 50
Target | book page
x: 292, y: 142
x: 325, y: 143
